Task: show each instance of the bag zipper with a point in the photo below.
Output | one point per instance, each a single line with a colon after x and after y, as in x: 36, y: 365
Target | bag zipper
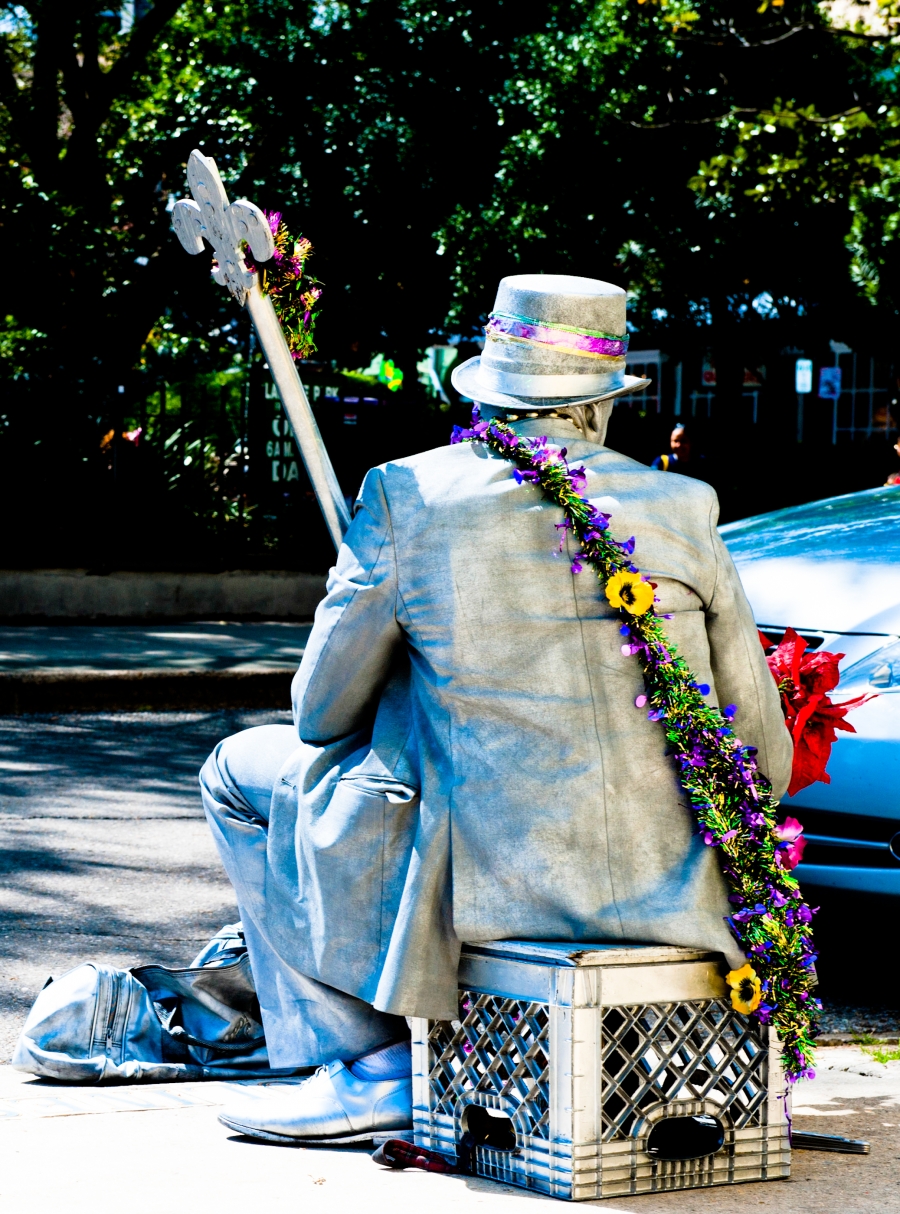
x: 111, y: 1015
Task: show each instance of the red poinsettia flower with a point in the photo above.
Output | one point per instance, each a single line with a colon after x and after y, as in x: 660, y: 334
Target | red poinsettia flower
x: 804, y: 680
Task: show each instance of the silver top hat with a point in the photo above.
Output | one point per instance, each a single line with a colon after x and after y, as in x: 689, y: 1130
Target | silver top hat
x: 552, y: 340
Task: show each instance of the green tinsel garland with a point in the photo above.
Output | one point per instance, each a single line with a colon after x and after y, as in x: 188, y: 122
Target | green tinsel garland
x: 732, y: 800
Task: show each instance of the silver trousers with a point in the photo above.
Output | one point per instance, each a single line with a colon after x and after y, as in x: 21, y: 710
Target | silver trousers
x: 307, y: 1023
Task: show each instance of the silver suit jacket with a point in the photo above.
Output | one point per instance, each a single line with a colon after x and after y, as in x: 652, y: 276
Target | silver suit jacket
x: 472, y: 765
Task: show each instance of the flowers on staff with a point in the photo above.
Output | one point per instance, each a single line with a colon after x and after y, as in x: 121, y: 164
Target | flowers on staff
x: 630, y: 591
x: 746, y: 989
x: 295, y: 294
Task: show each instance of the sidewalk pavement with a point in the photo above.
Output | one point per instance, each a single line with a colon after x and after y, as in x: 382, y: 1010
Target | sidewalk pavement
x: 152, y: 1147
x: 84, y: 667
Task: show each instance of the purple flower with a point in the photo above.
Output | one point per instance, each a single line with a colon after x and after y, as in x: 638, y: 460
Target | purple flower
x: 805, y: 1073
x: 576, y: 563
x: 274, y: 218
x: 703, y: 688
x: 521, y: 476
x: 696, y: 758
x: 745, y: 915
x: 640, y: 701
x: 729, y: 834
x: 729, y: 712
x: 628, y: 546
x: 578, y: 479
x: 656, y: 714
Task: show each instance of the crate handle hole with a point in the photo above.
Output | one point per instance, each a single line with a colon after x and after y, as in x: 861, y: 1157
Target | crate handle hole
x: 686, y: 1137
x: 489, y: 1128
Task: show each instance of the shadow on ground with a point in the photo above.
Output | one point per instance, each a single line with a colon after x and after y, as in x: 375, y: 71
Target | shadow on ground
x: 104, y: 851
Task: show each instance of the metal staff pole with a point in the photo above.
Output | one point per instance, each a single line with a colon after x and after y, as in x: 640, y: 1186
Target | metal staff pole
x: 227, y: 226
x: 300, y: 415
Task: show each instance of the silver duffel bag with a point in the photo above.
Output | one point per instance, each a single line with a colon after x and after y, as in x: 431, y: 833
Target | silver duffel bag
x: 97, y: 1024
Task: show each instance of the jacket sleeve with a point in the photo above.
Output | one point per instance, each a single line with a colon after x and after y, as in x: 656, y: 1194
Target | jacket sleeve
x: 355, y: 636
x: 741, y: 673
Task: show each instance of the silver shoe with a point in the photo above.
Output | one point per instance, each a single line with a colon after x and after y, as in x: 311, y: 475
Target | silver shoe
x: 331, y: 1106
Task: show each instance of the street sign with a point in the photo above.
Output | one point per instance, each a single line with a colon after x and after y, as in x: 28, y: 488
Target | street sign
x: 829, y: 383
x: 803, y: 376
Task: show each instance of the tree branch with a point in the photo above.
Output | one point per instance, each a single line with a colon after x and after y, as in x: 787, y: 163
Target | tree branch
x: 744, y: 42
x: 816, y: 119
x: 116, y: 81
x: 845, y: 33
x: 9, y: 89
x: 39, y: 125
x: 658, y: 126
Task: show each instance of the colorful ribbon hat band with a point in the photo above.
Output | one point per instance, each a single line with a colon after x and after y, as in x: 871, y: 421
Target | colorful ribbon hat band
x: 590, y: 343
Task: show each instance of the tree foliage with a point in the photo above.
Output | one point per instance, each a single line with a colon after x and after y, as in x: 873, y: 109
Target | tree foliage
x: 728, y: 161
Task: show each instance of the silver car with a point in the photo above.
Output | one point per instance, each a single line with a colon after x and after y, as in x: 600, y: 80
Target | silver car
x: 831, y: 570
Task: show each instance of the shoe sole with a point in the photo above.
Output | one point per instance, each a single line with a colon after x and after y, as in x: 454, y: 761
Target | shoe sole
x: 339, y: 1140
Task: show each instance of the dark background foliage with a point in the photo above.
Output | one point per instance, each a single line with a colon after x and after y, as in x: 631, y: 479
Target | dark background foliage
x: 732, y: 163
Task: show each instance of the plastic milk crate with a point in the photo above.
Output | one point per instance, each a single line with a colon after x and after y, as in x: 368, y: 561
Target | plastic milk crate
x: 598, y: 1071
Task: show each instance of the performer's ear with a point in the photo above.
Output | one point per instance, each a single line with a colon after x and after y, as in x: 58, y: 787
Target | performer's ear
x: 591, y: 420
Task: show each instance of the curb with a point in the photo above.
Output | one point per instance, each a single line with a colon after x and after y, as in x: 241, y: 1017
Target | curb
x: 873, y: 1039
x: 143, y: 690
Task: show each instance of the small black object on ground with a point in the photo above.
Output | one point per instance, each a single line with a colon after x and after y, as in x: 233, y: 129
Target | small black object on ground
x: 801, y: 1140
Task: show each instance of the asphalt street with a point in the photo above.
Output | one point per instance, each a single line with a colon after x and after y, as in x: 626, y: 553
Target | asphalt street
x: 210, y: 645
x: 104, y: 851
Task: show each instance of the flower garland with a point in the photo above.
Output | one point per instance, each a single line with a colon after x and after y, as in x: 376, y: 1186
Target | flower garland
x: 731, y: 798
x: 294, y: 293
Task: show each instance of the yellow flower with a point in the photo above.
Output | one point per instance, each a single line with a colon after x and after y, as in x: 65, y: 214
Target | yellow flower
x: 745, y: 992
x: 628, y: 590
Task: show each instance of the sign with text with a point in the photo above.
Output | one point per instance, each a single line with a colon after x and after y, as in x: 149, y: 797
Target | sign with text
x: 803, y: 376
x: 281, y: 450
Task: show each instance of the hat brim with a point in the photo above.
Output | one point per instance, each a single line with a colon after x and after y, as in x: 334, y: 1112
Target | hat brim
x: 467, y: 380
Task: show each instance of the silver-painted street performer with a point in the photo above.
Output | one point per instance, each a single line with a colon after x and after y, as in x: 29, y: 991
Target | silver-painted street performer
x: 474, y: 756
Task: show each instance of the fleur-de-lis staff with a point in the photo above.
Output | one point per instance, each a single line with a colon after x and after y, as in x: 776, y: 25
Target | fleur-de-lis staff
x: 227, y: 227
